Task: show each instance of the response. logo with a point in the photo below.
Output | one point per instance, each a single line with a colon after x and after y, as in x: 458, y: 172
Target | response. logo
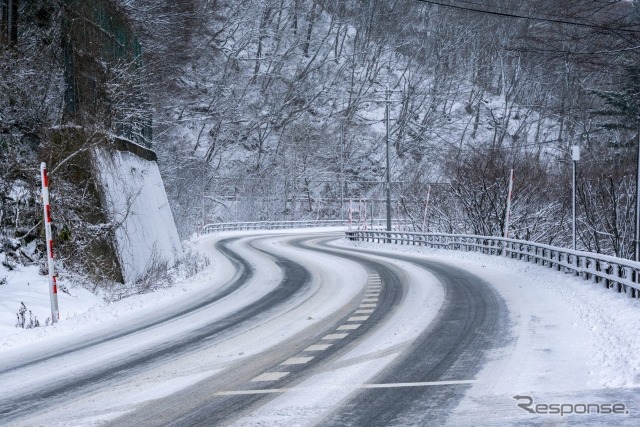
x: 562, y: 409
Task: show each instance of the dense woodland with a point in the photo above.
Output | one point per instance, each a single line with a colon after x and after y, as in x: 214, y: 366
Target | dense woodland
x: 274, y: 109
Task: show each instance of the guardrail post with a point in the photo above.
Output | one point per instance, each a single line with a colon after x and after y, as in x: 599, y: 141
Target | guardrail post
x: 617, y: 269
x: 608, y: 270
x: 626, y: 273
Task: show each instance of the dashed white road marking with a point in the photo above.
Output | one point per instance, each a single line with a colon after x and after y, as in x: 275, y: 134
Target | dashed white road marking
x: 348, y: 327
x: 243, y: 392
x: 297, y: 360
x: 357, y: 318
x: 317, y: 347
x: 370, y: 300
x: 368, y: 311
x: 368, y: 305
x: 270, y: 376
x: 334, y: 336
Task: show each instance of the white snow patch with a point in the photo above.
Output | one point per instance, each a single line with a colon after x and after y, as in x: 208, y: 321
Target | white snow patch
x: 25, y: 285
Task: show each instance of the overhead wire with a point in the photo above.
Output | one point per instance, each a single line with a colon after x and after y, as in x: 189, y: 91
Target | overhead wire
x: 452, y: 5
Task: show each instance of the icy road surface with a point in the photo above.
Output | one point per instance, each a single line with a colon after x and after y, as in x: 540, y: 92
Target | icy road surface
x: 307, y: 328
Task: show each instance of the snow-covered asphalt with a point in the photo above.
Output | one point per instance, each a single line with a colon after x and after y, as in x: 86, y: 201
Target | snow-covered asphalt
x: 296, y: 329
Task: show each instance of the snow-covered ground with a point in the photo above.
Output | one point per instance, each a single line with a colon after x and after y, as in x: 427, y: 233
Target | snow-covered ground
x: 572, y: 341
x: 25, y: 285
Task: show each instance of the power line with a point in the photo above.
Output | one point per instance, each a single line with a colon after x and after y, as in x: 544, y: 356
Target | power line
x: 530, y: 18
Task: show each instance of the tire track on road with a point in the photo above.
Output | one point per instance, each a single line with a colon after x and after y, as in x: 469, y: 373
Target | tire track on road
x: 472, y: 320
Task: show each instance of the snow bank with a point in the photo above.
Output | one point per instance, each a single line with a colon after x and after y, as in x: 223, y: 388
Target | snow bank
x: 136, y: 202
x: 26, y: 285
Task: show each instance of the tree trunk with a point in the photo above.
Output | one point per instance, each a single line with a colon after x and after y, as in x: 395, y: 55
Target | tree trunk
x: 294, y: 19
x: 311, y: 20
x: 266, y: 15
x: 14, y: 22
x: 4, y: 19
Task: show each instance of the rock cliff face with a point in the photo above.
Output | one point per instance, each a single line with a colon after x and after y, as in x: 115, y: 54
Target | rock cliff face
x: 144, y: 231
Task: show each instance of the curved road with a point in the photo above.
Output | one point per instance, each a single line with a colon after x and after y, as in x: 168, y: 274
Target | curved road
x: 417, y: 381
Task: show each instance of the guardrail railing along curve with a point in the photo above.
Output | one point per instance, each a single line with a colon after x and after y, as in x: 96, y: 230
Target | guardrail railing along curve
x: 620, y: 274
x: 280, y: 225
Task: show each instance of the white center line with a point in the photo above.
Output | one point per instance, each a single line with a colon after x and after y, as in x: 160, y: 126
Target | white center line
x: 297, y: 360
x: 366, y: 386
x: 348, y: 327
x: 317, y: 347
x: 334, y: 336
x: 419, y: 384
x: 270, y: 376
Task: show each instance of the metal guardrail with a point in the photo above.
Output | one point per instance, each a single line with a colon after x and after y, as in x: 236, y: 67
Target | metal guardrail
x: 617, y: 273
x: 280, y: 225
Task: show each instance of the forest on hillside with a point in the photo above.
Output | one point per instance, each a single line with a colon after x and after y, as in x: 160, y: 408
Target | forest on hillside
x: 274, y: 110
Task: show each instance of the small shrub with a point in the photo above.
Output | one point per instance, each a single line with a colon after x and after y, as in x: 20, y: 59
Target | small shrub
x: 22, y: 318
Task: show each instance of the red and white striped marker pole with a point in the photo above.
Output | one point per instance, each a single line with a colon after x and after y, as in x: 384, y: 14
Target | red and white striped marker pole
x: 53, y: 286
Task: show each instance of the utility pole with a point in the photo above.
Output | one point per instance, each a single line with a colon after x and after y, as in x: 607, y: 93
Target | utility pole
x: 342, y: 172
x: 387, y: 101
x: 575, y: 156
x: 386, y: 113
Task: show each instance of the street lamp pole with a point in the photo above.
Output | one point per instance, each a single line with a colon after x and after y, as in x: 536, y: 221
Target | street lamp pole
x: 637, y: 231
x: 386, y: 113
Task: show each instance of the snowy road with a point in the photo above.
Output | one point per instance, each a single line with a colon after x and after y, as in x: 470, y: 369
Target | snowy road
x: 294, y: 330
